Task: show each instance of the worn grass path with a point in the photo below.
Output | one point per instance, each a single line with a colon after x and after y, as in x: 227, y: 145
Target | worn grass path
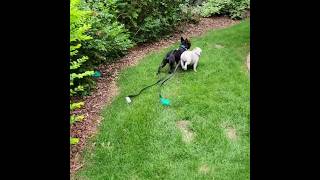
x: 204, y: 134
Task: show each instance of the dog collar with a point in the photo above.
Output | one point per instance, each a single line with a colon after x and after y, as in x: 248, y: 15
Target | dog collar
x: 182, y: 46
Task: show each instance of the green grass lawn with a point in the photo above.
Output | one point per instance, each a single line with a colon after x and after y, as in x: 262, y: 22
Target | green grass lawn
x: 142, y: 141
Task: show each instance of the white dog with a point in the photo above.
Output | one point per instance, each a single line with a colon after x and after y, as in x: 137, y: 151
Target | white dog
x: 190, y: 58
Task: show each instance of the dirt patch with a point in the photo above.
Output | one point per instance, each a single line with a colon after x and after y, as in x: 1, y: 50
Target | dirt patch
x: 204, y: 169
x: 187, y: 134
x: 106, y: 87
x: 218, y: 46
x: 248, y: 62
x: 231, y: 133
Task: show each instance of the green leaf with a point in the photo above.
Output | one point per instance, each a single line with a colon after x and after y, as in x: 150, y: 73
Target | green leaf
x: 74, y: 106
x: 74, y: 140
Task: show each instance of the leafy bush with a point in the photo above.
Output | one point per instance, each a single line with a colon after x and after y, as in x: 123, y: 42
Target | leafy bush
x: 238, y: 8
x: 147, y: 20
x: 110, y: 38
x: 189, y: 12
x: 194, y: 2
x: 232, y: 8
x: 74, y: 140
x: 117, y: 24
x: 78, y: 27
x: 212, y: 7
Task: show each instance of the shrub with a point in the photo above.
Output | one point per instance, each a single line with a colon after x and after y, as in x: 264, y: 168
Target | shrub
x: 232, y: 8
x: 189, y: 12
x: 238, y: 8
x: 110, y: 38
x: 78, y: 27
x: 149, y: 20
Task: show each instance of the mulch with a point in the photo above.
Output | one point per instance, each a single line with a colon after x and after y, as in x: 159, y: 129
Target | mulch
x: 106, y: 87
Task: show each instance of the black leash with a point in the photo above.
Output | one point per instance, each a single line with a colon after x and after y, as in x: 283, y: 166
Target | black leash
x: 134, y: 95
x: 170, y: 76
x: 164, y: 79
x: 160, y: 79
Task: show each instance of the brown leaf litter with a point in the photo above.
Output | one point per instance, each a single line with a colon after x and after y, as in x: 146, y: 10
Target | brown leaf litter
x: 106, y: 87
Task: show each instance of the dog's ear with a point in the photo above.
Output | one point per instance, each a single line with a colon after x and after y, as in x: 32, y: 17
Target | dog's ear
x: 182, y: 39
x: 188, y: 43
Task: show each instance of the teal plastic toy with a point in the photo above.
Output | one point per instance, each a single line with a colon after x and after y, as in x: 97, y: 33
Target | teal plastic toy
x: 96, y: 74
x: 164, y: 101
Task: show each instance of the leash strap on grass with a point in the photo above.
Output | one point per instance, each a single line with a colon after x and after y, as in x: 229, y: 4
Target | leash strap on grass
x: 145, y: 88
x: 164, y: 79
x: 170, y: 76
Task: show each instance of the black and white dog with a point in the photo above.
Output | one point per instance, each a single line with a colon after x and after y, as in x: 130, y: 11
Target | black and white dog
x: 173, y: 57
